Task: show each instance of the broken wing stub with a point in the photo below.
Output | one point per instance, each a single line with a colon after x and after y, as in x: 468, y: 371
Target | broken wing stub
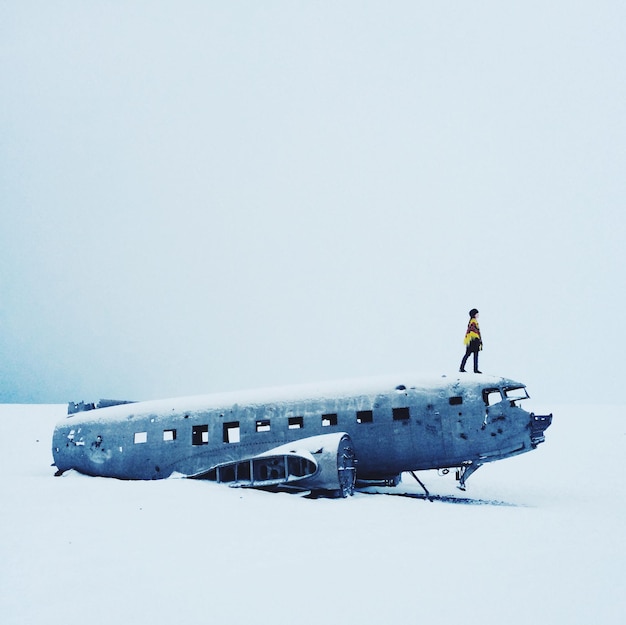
x: 318, y: 463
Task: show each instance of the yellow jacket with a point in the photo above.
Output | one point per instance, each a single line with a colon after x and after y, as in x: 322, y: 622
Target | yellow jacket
x: 473, y: 331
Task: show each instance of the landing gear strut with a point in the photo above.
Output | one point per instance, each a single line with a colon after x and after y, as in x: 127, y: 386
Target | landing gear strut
x: 464, y: 471
x: 422, y: 485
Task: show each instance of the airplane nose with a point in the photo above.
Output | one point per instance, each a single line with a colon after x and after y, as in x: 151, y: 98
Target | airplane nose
x: 538, y: 425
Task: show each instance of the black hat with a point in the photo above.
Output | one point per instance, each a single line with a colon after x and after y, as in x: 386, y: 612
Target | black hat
x: 473, y: 312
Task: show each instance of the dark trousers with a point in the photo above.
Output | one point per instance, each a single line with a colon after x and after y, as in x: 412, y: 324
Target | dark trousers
x: 472, y: 348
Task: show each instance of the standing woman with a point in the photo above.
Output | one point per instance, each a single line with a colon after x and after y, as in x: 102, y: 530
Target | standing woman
x: 473, y: 342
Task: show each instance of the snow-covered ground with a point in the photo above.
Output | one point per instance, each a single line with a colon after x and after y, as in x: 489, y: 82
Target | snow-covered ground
x: 542, y: 541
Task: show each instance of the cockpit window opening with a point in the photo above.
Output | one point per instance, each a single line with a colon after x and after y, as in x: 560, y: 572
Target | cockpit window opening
x: 515, y: 394
x: 263, y: 425
x: 491, y: 396
x: 365, y: 416
x: 329, y: 419
x: 232, y: 432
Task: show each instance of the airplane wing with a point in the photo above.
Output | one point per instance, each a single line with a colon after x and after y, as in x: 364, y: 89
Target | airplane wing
x: 325, y: 462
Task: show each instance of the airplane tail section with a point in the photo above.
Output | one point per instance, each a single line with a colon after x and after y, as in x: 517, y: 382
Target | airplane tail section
x: 81, y: 406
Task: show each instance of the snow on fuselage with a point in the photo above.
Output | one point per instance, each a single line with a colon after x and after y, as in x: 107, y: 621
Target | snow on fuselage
x: 395, y: 424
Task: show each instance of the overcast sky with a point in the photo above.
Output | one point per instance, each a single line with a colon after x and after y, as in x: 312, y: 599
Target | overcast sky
x: 204, y: 196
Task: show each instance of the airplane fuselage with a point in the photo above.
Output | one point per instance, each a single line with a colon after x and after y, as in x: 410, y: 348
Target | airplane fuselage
x: 394, y: 425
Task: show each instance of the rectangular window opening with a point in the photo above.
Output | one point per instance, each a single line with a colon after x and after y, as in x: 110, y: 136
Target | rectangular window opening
x: 455, y: 401
x: 141, y: 437
x: 491, y: 396
x: 295, y: 423
x: 365, y: 416
x: 244, y: 471
x: 329, y: 419
x: 232, y: 432
x: 516, y: 393
x: 227, y: 473
x: 401, y: 414
x: 200, y: 435
x: 169, y: 435
x: 263, y: 425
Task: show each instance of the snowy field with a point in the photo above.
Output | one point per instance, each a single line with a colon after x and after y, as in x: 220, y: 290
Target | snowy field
x: 539, y: 538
